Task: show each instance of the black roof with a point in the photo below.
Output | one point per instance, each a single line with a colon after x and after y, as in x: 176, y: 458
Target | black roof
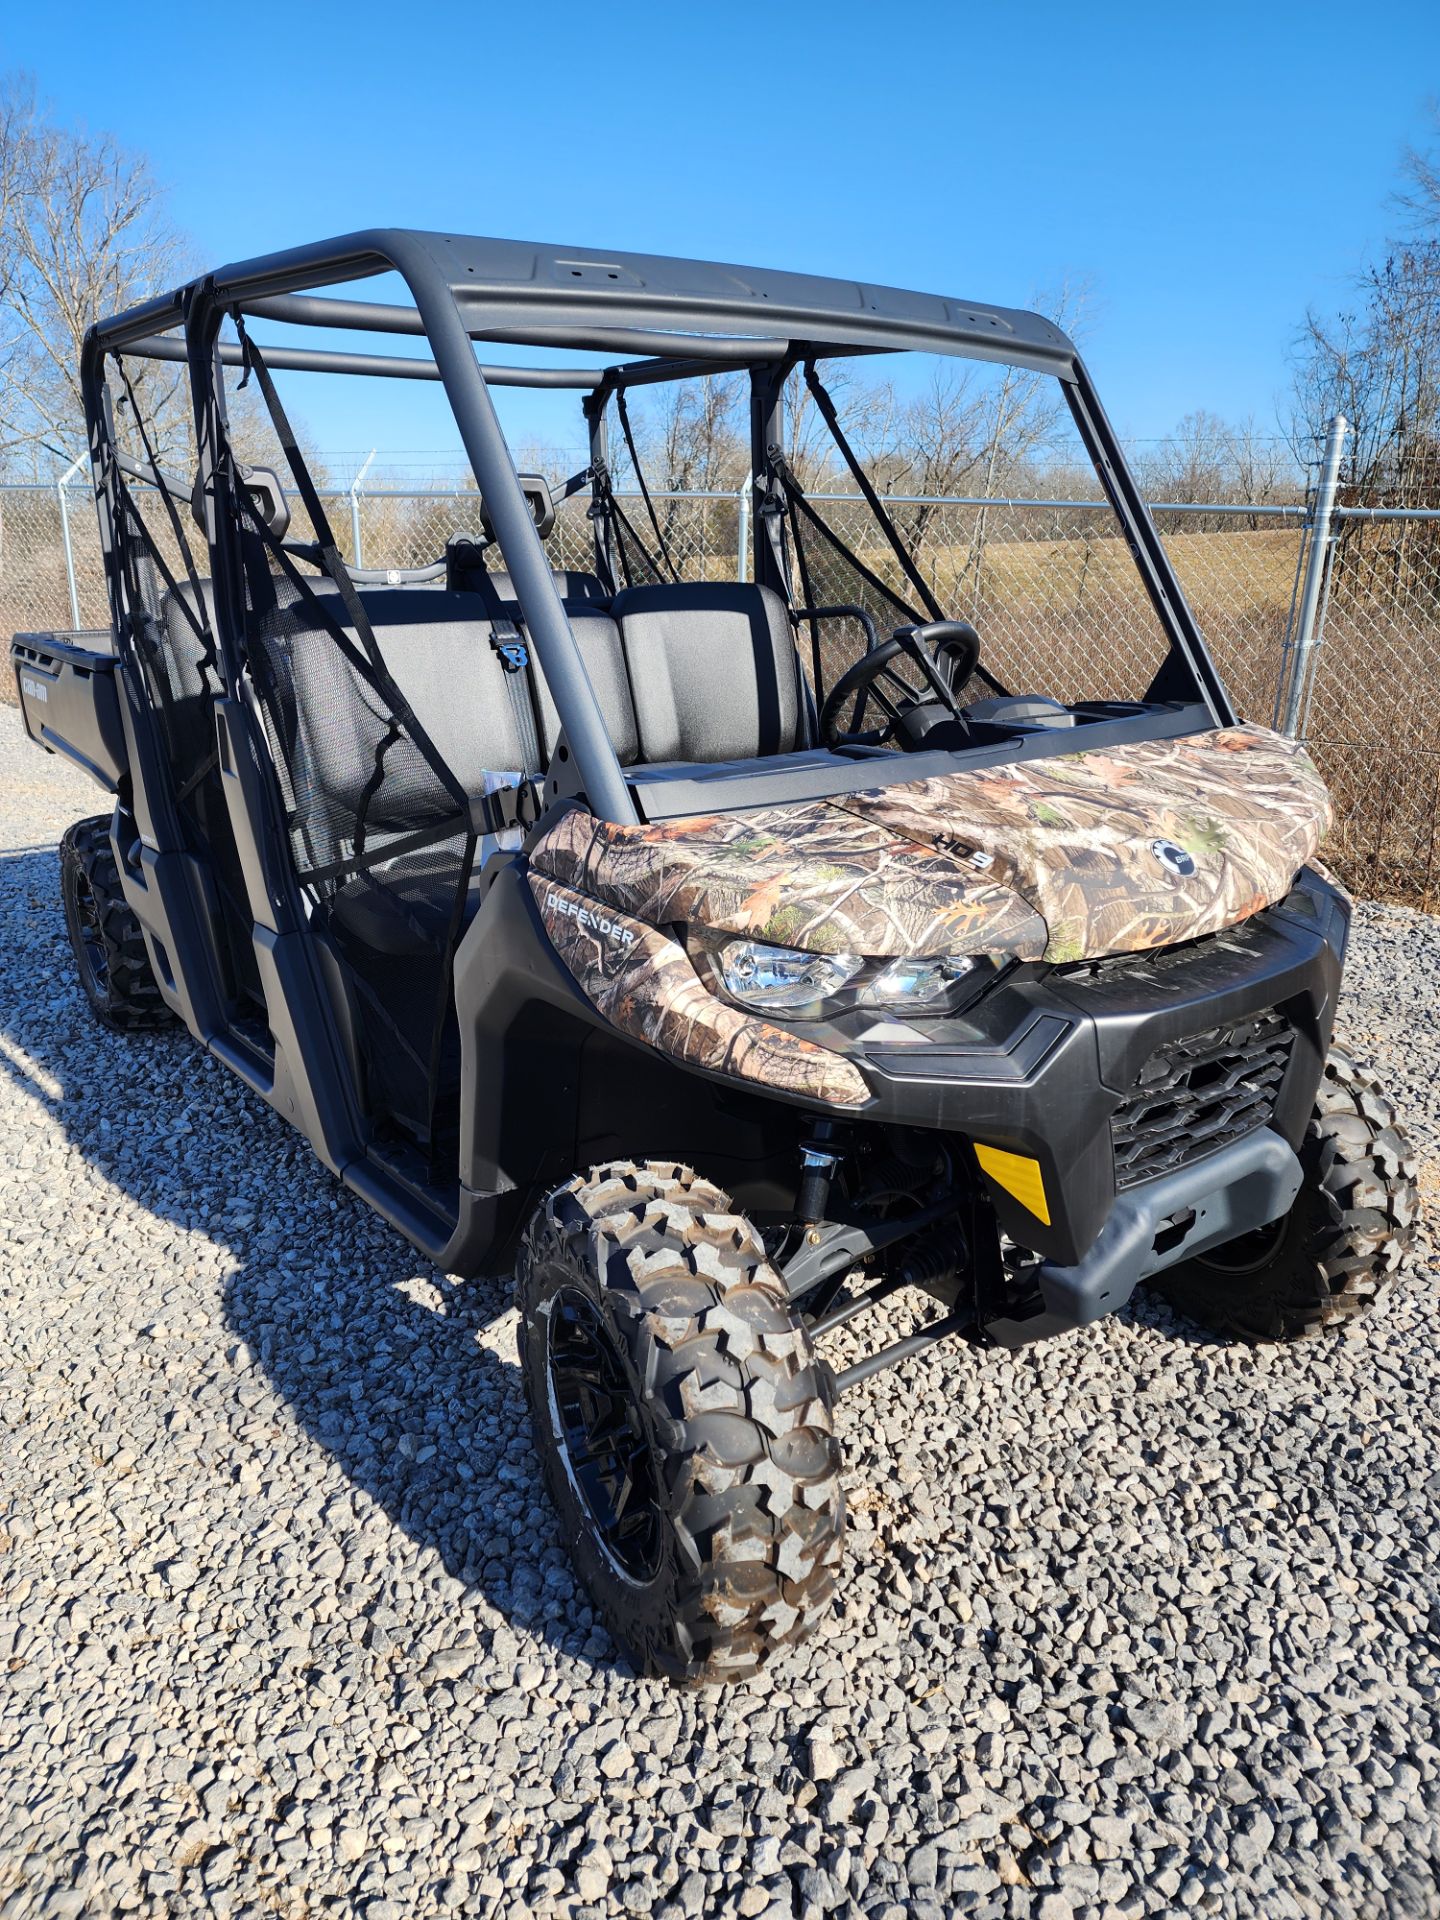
x: 546, y: 295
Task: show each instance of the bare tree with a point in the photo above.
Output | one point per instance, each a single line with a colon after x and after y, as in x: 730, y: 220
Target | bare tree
x: 1260, y: 464
x: 1192, y: 465
x: 1379, y: 365
x: 12, y: 121
x: 1419, y: 198
x: 696, y: 435
x: 1019, y: 416
x: 940, y: 442
x: 692, y: 437
x: 1262, y: 469
x: 867, y: 413
x: 1378, y: 362
x: 1209, y: 461
x: 84, y: 234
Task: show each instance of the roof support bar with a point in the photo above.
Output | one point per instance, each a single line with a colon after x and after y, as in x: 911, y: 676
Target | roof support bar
x: 355, y: 316
x: 376, y: 316
x: 388, y: 366
x: 549, y: 630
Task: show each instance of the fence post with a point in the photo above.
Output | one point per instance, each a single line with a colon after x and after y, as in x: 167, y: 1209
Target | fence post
x: 355, y: 508
x: 742, y: 545
x: 60, y: 485
x: 1301, y: 648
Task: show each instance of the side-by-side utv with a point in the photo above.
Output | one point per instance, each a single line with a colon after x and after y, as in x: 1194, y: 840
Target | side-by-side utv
x: 725, y: 956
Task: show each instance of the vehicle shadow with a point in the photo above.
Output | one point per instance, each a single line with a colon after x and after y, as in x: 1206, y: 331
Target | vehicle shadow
x: 404, y: 1375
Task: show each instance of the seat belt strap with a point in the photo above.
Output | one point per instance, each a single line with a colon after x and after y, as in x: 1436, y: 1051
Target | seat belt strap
x: 513, y: 651
x: 602, y: 528
x: 486, y: 813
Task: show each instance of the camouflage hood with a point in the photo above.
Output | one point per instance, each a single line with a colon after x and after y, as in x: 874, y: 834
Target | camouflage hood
x: 1066, y: 857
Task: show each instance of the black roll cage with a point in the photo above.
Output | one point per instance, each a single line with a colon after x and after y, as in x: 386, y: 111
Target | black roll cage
x: 681, y: 318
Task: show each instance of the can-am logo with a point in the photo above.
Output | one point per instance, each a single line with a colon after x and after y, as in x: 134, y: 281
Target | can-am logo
x: 34, y: 689
x: 584, y: 916
x: 1174, y: 859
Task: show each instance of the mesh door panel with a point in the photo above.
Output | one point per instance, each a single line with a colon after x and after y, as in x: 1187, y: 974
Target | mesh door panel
x: 356, y: 774
x: 356, y: 777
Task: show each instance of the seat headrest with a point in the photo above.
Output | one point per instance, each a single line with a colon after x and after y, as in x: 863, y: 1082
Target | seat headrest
x: 700, y: 596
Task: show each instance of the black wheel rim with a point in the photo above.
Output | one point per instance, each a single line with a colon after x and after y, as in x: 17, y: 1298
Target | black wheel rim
x: 597, y: 1428
x: 1251, y: 1251
x: 92, y: 938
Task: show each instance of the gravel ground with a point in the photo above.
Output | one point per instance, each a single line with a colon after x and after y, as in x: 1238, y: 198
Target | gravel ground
x: 1133, y: 1622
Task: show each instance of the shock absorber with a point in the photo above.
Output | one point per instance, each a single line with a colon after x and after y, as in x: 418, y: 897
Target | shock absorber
x: 819, y: 1157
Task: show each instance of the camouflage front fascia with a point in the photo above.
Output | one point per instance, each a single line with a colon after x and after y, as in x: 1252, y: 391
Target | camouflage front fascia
x: 1049, y: 858
x: 643, y: 983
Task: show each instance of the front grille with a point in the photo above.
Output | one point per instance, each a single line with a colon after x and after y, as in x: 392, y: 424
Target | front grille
x: 1198, y: 1094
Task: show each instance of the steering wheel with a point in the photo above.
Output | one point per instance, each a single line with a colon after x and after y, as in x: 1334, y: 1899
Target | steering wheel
x: 876, y: 676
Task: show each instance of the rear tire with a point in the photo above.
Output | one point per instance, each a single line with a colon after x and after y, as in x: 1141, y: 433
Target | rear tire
x: 1329, y: 1259
x: 105, y: 936
x: 682, y: 1419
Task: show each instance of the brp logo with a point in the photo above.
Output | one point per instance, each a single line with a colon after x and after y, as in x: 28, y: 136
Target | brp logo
x: 1174, y: 859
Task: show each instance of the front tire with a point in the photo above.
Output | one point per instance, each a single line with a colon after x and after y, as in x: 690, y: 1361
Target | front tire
x: 105, y: 936
x: 1330, y: 1258
x: 682, y: 1420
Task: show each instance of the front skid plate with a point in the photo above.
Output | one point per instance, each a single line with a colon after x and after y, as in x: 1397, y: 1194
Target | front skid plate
x: 1243, y: 1186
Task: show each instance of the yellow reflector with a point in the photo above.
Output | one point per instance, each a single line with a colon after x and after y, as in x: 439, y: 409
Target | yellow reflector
x: 1018, y: 1174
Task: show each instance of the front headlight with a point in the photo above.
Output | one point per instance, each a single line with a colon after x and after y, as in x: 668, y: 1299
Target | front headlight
x: 780, y: 980
x: 921, y: 986
x: 770, y: 979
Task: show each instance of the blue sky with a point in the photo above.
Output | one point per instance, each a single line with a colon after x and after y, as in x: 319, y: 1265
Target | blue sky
x: 1209, y: 172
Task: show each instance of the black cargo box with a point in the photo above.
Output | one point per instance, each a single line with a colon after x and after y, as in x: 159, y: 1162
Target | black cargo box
x: 69, y: 700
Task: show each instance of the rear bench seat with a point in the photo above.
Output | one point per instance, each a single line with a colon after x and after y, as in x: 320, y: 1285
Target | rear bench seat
x: 702, y: 672
x: 435, y: 646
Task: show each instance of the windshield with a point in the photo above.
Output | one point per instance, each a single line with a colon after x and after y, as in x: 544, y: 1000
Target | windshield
x: 913, y: 487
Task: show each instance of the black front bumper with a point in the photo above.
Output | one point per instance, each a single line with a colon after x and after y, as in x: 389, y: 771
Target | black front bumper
x: 1042, y: 1065
x: 1243, y: 1186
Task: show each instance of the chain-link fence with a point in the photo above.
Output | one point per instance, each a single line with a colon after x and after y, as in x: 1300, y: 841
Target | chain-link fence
x: 1369, y: 710
x: 1051, y: 587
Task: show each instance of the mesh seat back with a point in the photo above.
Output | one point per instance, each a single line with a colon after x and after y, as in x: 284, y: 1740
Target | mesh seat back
x: 436, y: 648
x: 360, y: 774
x: 189, y: 672
x: 188, y: 619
